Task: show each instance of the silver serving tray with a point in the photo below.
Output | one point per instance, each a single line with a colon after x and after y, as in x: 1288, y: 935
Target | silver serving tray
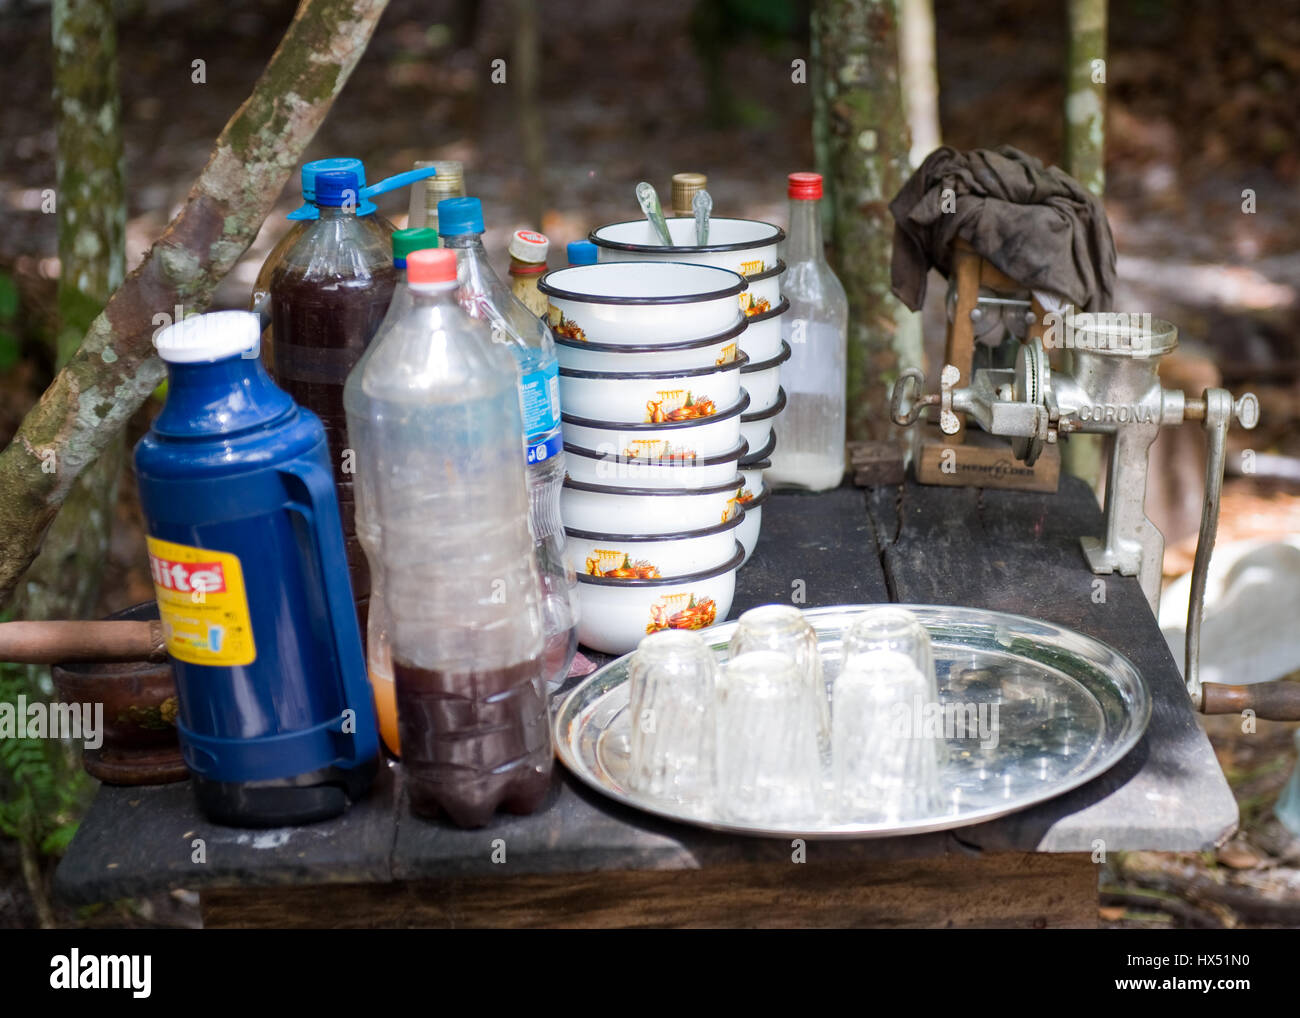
x: 1069, y: 707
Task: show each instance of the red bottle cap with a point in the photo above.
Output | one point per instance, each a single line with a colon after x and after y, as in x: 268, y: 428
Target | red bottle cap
x: 437, y: 266
x: 805, y: 186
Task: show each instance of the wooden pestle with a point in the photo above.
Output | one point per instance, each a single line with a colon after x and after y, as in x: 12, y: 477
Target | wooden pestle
x: 55, y: 642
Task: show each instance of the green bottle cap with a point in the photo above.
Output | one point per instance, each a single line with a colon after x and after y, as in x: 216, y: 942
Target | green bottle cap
x: 406, y: 241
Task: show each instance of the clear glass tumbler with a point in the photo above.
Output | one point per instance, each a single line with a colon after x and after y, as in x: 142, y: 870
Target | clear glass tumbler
x: 673, y: 675
x: 783, y: 629
x: 888, y: 736
x: 768, y: 755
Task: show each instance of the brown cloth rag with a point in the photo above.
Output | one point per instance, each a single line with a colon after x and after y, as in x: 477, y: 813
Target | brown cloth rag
x: 1036, y: 224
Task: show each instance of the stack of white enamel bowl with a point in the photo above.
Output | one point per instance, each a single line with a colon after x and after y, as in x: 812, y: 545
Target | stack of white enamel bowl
x: 653, y: 401
x: 749, y: 247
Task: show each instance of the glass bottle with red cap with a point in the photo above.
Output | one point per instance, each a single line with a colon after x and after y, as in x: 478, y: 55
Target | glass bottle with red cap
x: 810, y: 432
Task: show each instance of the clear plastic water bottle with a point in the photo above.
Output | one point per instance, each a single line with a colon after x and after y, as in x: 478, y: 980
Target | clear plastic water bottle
x: 449, y: 495
x: 485, y: 297
x: 810, y: 432
x: 379, y: 651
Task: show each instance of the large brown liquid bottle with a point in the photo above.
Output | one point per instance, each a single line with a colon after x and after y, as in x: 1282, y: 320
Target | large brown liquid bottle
x: 328, y: 296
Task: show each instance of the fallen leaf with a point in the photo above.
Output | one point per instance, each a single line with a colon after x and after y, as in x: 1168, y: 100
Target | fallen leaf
x: 1239, y: 856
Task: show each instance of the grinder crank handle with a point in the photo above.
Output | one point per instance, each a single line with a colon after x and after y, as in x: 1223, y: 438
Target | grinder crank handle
x: 1217, y: 409
x: 948, y: 379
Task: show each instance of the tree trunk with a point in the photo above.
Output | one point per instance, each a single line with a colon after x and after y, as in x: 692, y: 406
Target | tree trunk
x: 864, y: 141
x: 916, y: 55
x: 115, y: 369
x: 64, y: 580
x: 1085, y: 95
x: 527, y: 59
x: 1085, y: 136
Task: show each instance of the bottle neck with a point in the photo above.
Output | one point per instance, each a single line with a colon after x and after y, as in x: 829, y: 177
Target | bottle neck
x: 336, y: 212
x: 219, y: 398
x: 804, y: 238
x: 432, y: 293
x: 519, y: 267
x: 463, y: 241
x: 476, y: 275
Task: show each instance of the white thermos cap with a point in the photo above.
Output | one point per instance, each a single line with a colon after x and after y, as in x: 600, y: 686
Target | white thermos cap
x: 211, y: 337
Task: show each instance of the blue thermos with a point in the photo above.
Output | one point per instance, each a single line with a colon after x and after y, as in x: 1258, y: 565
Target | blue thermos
x: 276, y: 719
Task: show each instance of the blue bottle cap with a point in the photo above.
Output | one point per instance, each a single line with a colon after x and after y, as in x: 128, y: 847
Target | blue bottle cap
x: 336, y: 188
x: 308, y: 209
x: 310, y: 170
x: 581, y: 252
x: 460, y: 215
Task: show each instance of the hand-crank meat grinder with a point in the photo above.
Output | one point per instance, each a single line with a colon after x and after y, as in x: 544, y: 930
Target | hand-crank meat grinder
x: 1111, y: 388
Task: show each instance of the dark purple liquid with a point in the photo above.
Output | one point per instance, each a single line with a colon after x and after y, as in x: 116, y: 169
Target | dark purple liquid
x: 474, y: 742
x: 321, y: 329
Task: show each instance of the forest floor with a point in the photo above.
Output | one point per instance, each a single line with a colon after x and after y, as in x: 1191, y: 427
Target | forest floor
x: 1203, y: 166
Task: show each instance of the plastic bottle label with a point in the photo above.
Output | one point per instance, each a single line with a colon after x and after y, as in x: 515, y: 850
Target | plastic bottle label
x: 540, y: 400
x: 202, y: 603
x: 542, y: 451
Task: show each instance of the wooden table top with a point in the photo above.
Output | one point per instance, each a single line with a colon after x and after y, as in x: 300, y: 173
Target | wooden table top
x: 1008, y: 551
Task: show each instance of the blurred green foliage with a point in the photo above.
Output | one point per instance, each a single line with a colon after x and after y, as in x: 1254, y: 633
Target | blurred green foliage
x: 717, y: 26
x: 43, y: 789
x: 10, y: 342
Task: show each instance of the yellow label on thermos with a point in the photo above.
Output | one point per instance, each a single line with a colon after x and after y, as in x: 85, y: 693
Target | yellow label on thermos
x: 202, y: 603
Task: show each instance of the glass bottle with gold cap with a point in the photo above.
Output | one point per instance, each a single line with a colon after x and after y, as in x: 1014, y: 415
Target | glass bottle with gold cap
x: 449, y: 183
x: 685, y: 186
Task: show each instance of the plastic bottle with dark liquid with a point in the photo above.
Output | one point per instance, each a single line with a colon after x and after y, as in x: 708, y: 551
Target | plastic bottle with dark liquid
x: 379, y: 649
x: 446, y: 507
x: 474, y: 741
x: 300, y: 221
x: 328, y: 297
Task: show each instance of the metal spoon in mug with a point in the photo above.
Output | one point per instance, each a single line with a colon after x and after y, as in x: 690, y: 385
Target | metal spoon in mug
x: 648, y: 198
x: 702, y: 205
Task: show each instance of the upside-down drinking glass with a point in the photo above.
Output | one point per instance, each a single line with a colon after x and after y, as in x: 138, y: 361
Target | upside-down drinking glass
x: 887, y: 740
x: 783, y: 629
x: 768, y: 754
x: 672, y: 678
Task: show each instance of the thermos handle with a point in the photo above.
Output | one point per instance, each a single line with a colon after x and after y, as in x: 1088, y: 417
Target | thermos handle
x: 325, y: 525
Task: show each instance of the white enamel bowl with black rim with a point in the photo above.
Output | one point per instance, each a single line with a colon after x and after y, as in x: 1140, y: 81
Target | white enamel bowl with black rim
x: 747, y: 246
x: 644, y: 397
x: 632, y: 556
x: 747, y: 532
x: 762, y: 380
x: 616, y: 614
x: 753, y: 475
x: 606, y: 466
x: 764, y: 454
x: 668, y: 440
x: 640, y: 303
x: 756, y: 428
x: 764, y: 292
x: 710, y: 351
x: 605, y: 509
x: 762, y: 338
